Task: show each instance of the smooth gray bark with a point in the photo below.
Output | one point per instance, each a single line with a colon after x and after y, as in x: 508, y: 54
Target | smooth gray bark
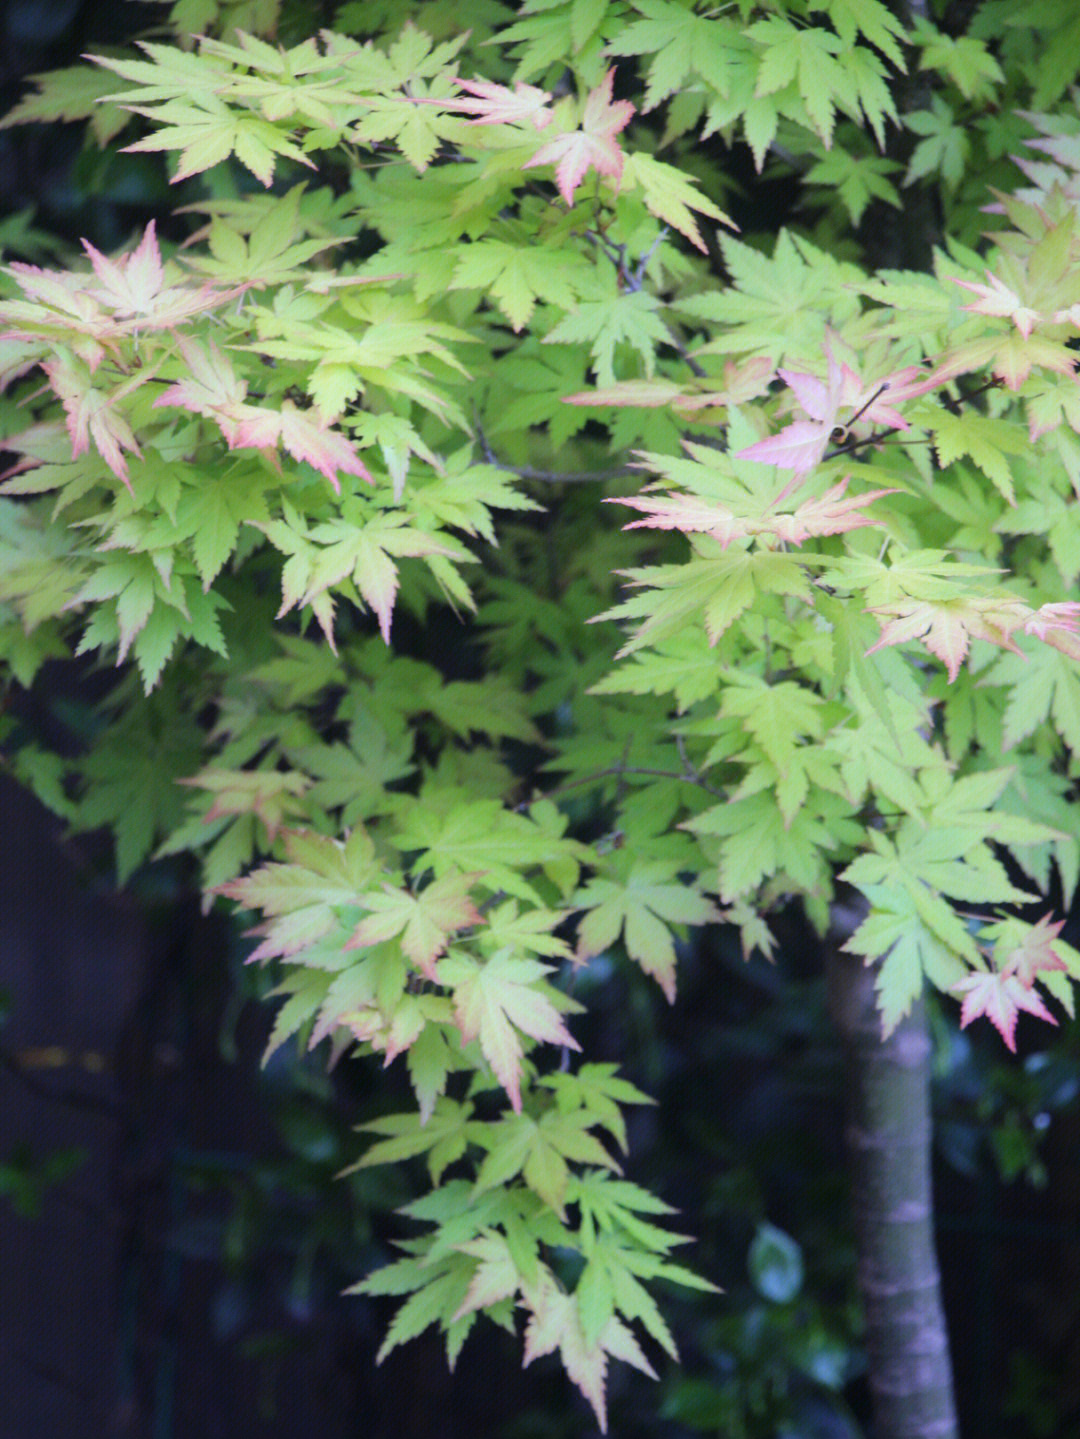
x: 888, y: 1138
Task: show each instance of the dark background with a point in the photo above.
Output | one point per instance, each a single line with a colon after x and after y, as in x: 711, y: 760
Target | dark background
x: 173, y: 1244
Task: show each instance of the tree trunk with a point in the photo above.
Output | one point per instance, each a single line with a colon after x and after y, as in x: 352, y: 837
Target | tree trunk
x: 887, y: 1137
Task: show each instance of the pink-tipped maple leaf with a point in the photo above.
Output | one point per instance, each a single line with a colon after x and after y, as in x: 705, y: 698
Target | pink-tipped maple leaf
x: 947, y: 627
x: 305, y: 438
x: 92, y: 415
x: 1000, y: 995
x: 995, y: 298
x: 211, y: 386
x: 492, y: 104
x: 686, y: 513
x: 132, y: 287
x: 592, y: 146
x: 799, y: 446
x: 1047, y: 618
x: 555, y: 1323
x: 827, y: 514
x: 495, y: 999
x: 840, y: 400
x: 1036, y: 953
x: 425, y: 921
x: 120, y: 297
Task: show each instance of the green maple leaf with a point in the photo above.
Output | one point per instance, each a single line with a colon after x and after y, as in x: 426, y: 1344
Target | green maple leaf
x: 756, y: 844
x: 869, y: 18
x: 715, y: 590
x: 896, y: 935
x: 681, y: 45
x: 856, y: 179
x: 945, y: 147
x: 518, y: 276
x: 482, y: 837
x: 639, y: 904
x: 496, y: 1275
x: 1043, y: 684
x: 598, y: 1091
x: 74, y: 93
x: 628, y: 317
x: 683, y: 664
x: 779, y: 716
x: 671, y: 196
x: 442, y: 1135
x: 778, y: 305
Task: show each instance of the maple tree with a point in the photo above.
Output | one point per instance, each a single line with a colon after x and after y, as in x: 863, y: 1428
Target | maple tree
x: 433, y: 307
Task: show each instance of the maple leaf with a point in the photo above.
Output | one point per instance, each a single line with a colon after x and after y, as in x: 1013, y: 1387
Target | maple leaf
x: 304, y: 437
x: 499, y: 105
x: 946, y: 627
x: 1047, y: 618
x: 132, y: 288
x: 689, y: 514
x: 1035, y: 952
x: 802, y: 444
x: 425, y: 921
x: 640, y: 903
x: 555, y: 1323
x: 496, y: 1274
x: 491, y: 999
x: 671, y: 196
x: 211, y: 386
x: 270, y: 794
x: 996, y: 298
x: 828, y: 514
x: 592, y: 146
x: 1000, y: 995
x: 799, y: 446
x: 92, y: 415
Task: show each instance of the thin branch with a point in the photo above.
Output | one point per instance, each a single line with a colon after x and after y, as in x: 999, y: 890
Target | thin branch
x: 618, y: 771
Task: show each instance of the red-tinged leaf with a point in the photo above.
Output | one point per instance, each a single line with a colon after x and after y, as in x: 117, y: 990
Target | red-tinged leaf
x: 1060, y: 616
x: 1035, y: 952
x: 821, y: 401
x: 499, y: 105
x: 270, y: 794
x: 828, y: 514
x: 591, y: 147
x: 995, y: 298
x: 1000, y: 997
x: 326, y: 449
x: 636, y: 394
x: 91, y: 416
x: 946, y: 627
x: 425, y: 921
x: 491, y: 999
x: 132, y: 289
x: 799, y: 447
x: 689, y: 514
x: 132, y: 283
x: 210, y: 387
x: 305, y: 438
